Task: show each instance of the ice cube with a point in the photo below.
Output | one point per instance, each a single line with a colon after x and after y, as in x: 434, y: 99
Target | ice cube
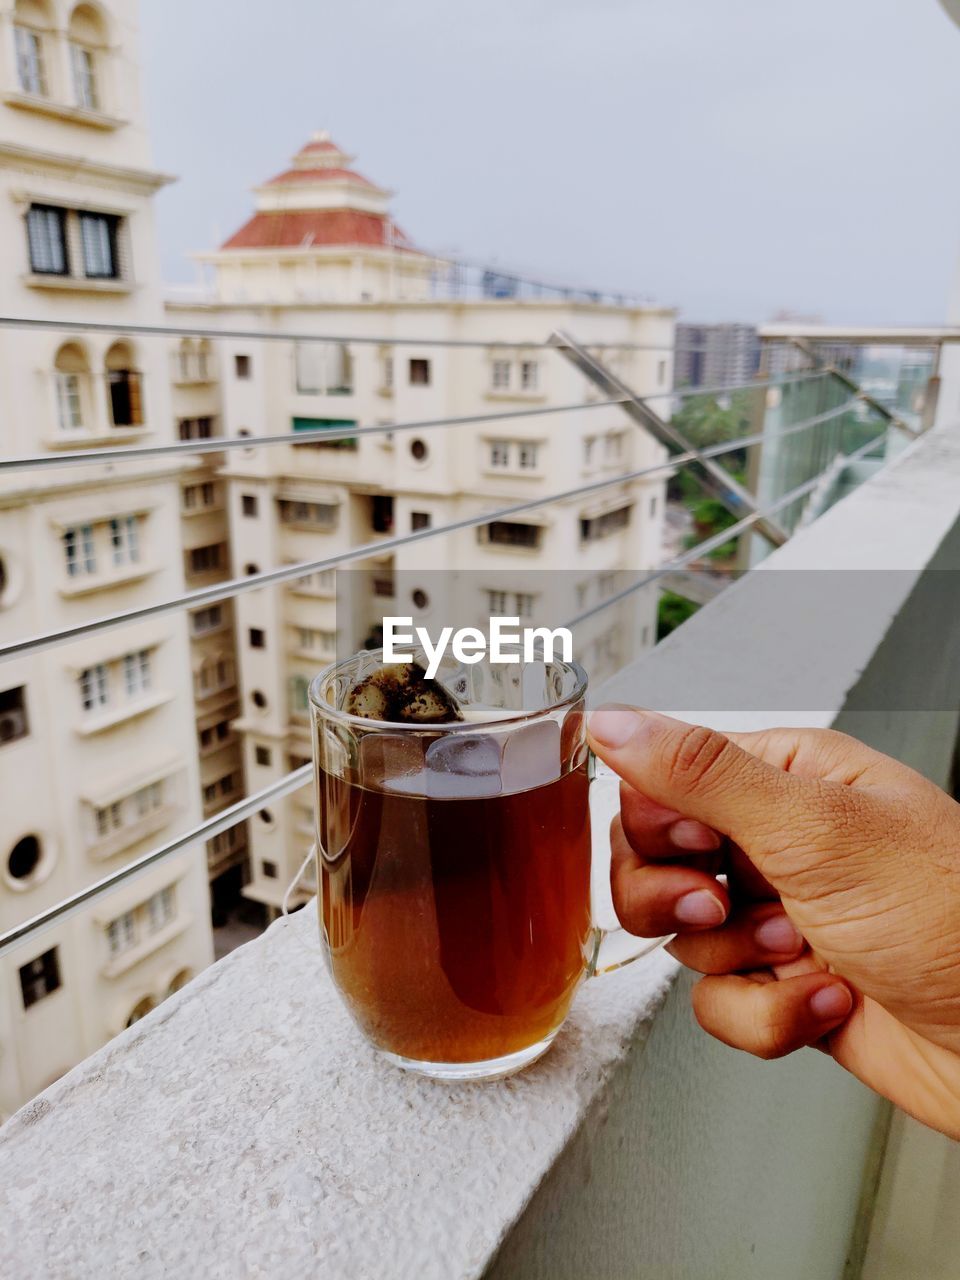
x: 392, y: 762
x: 401, y: 692
x: 531, y: 756
x: 463, y: 766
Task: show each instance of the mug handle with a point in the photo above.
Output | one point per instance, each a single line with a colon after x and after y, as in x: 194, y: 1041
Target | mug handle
x: 613, y: 947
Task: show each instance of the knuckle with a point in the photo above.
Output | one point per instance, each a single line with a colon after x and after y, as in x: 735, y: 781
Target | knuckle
x: 697, y: 754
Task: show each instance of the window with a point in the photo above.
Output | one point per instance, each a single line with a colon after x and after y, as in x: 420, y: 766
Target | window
x: 384, y: 586
x: 653, y: 506
x: 321, y: 515
x: 419, y: 372
x: 322, y: 582
x: 259, y: 699
x: 500, y: 374
x: 126, y: 403
x: 602, y: 526
x: 195, y: 428
x: 387, y: 373
x: 78, y: 550
x: 136, y: 672
x: 588, y: 443
x: 334, y: 425
x: 94, y: 687
x: 510, y: 533
x: 24, y: 858
x: 98, y: 238
x: 613, y: 447
x: 47, y: 241
x: 523, y: 604
x: 497, y: 603
x: 248, y: 504
x: 420, y: 520
x: 258, y: 638
x: 606, y: 585
x: 148, y: 799
x: 419, y: 450
x: 160, y: 908
x: 262, y: 755
x: 269, y: 870
x: 499, y: 453
x: 69, y: 405
x: 198, y: 496
x: 229, y: 783
x: 529, y: 375
x: 243, y: 366
x: 528, y: 456
x: 125, y: 540
x: 309, y: 638
x: 214, y: 734
x: 661, y: 372
x: 14, y: 722
x: 323, y: 367
x: 140, y: 1010
x: 40, y: 977
x: 381, y: 512
x: 108, y: 819
x: 299, y: 701
x: 122, y: 933
x: 205, y: 620
x: 30, y: 69
x: 84, y: 67
x: 206, y: 559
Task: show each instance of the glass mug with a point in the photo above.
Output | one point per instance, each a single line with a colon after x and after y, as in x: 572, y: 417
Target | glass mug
x: 454, y: 865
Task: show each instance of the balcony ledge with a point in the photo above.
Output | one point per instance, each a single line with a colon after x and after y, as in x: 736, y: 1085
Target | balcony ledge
x: 63, y: 110
x: 245, y: 1128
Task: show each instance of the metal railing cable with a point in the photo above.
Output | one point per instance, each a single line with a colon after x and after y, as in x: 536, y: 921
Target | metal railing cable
x: 174, y: 333
x: 330, y: 435
x: 298, y: 778
x: 322, y: 435
x: 204, y: 596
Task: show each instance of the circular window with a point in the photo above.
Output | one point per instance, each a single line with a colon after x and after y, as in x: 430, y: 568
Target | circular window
x: 250, y: 569
x: 419, y: 450
x: 420, y: 598
x: 24, y: 858
x: 259, y: 699
x: 266, y: 817
x: 10, y: 580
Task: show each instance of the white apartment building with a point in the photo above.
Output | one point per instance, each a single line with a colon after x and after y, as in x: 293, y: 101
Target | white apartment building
x: 98, y: 760
x: 322, y: 255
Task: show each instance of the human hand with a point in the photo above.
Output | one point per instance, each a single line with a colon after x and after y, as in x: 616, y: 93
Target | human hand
x: 839, y: 923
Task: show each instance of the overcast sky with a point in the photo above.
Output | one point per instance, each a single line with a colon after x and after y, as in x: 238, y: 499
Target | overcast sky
x: 730, y: 157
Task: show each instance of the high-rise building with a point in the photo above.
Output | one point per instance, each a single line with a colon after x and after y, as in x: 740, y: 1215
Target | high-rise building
x: 711, y: 355
x: 398, y: 339
x: 97, y: 738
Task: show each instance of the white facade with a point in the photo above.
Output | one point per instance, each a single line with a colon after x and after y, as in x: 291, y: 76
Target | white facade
x: 296, y: 504
x: 97, y: 749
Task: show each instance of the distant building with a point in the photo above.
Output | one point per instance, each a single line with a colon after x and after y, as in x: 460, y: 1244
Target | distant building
x: 715, y: 354
x: 322, y: 255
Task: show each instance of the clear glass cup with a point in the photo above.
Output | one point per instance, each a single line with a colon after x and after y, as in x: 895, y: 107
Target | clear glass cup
x: 454, y: 865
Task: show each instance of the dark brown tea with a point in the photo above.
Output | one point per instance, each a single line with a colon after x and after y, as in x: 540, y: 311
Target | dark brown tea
x: 456, y: 924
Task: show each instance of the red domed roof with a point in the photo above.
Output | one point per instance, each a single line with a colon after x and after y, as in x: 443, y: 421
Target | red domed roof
x: 291, y: 229
x: 319, y: 175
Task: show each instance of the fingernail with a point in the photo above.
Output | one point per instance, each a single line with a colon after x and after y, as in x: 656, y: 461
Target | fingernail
x: 778, y: 934
x: 612, y: 726
x: 693, y: 837
x: 831, y: 1002
x: 700, y: 907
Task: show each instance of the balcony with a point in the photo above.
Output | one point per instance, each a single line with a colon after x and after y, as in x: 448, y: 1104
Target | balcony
x: 249, y: 1113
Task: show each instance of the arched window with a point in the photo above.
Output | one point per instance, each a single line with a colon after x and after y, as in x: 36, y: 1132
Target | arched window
x: 32, y: 27
x: 125, y: 384
x: 88, y: 39
x: 72, y: 379
x: 140, y: 1010
x: 179, y: 980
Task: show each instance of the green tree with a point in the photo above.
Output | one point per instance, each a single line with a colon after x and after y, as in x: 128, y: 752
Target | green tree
x: 672, y: 611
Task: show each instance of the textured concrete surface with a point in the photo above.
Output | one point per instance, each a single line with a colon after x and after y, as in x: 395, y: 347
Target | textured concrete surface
x: 245, y: 1129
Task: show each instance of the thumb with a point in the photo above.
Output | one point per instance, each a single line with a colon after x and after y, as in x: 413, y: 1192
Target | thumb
x: 702, y: 774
